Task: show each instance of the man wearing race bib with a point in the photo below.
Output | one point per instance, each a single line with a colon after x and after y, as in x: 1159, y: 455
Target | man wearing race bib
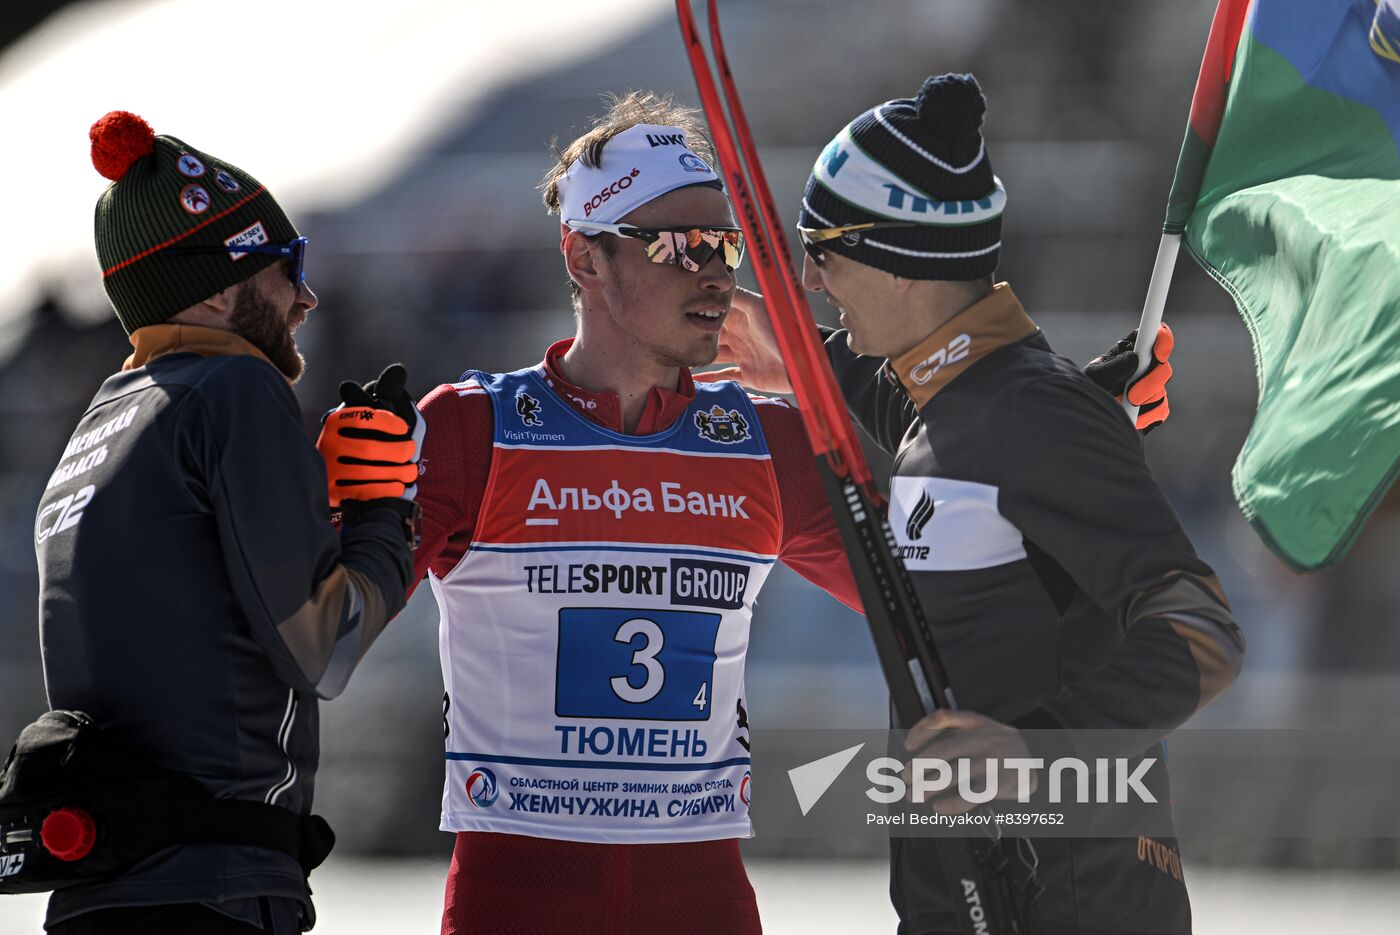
x: 595, y: 530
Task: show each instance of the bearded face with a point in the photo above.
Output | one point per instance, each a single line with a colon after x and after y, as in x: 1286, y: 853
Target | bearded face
x: 265, y: 313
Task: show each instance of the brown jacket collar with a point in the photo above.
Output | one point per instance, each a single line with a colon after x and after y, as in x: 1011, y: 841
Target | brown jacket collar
x: 990, y: 323
x: 154, y: 340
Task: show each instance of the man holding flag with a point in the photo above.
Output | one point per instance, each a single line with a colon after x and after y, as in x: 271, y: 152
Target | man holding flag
x: 1059, y: 586
x: 596, y: 530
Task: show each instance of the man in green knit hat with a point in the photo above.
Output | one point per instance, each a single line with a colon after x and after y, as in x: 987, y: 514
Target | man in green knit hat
x: 195, y: 599
x: 167, y: 234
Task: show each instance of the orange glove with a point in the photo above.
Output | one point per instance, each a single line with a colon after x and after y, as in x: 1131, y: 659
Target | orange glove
x: 1112, y: 370
x: 371, y: 450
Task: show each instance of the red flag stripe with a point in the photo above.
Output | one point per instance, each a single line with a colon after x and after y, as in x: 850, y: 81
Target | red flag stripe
x: 1208, y: 103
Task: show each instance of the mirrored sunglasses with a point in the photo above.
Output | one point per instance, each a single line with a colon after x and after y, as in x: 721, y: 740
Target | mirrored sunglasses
x: 690, y: 248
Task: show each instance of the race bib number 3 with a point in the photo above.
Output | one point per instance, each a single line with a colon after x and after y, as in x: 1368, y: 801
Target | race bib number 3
x: 653, y: 665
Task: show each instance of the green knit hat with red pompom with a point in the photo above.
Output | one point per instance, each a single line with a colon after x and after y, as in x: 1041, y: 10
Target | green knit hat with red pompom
x: 166, y: 196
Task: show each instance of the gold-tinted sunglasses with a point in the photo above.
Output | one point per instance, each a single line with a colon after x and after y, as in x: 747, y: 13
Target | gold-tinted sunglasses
x: 850, y: 234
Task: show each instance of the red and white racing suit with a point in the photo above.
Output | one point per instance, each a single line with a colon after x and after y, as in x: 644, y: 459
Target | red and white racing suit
x: 595, y: 591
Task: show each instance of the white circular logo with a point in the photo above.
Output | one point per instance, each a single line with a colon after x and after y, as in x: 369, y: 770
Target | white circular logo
x: 189, y: 166
x: 194, y: 199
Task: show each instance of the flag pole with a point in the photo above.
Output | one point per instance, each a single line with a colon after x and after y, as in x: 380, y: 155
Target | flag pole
x: 1152, y: 309
x: 1207, y: 110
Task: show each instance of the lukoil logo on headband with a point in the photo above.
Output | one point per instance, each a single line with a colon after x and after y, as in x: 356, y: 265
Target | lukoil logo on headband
x: 616, y: 188
x: 693, y: 163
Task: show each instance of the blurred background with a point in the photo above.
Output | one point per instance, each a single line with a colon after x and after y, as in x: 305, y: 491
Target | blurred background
x: 406, y: 141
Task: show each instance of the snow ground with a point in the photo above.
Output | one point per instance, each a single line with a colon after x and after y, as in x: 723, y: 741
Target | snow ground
x: 359, y: 896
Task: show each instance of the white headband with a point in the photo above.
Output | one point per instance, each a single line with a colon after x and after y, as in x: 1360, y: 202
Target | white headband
x: 639, y: 164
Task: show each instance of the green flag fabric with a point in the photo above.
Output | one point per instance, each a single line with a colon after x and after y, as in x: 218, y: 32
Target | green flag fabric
x: 1288, y: 193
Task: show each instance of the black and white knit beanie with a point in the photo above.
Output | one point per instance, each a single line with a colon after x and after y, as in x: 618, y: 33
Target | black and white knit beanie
x: 922, y: 161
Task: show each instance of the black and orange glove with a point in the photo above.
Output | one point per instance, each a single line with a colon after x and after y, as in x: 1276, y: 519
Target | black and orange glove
x: 1112, y: 370
x: 372, y: 442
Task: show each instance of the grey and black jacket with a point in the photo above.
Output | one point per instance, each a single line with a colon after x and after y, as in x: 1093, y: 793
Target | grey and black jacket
x: 196, y: 601
x: 1060, y: 587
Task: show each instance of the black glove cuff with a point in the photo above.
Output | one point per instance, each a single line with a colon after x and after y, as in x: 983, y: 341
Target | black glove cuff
x: 352, y: 511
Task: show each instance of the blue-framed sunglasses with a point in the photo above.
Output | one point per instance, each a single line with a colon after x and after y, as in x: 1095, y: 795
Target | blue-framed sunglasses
x: 295, y: 253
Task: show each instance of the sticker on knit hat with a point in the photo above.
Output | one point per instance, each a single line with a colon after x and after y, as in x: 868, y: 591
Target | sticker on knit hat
x: 194, y: 199
x: 225, y: 181
x: 248, y: 237
x: 189, y: 166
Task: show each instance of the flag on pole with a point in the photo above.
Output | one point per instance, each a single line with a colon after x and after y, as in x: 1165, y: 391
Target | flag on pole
x: 1288, y: 193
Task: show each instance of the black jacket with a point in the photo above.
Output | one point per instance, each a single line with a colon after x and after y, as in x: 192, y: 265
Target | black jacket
x: 1058, y: 583
x: 196, y: 600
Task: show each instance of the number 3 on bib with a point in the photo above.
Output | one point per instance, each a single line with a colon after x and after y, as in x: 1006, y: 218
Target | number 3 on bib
x: 635, y: 664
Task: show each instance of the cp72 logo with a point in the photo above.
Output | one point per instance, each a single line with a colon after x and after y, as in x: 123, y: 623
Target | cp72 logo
x: 63, y: 514
x: 956, y: 350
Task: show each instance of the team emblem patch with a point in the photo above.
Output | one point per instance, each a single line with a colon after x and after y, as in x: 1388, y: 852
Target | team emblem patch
x: 190, y: 167
x: 527, y: 408
x: 693, y: 163
x: 725, y: 428
x: 482, y: 789
x: 918, y: 517
x: 225, y: 181
x: 194, y: 199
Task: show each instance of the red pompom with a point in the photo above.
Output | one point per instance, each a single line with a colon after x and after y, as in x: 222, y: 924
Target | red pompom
x: 119, y: 139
